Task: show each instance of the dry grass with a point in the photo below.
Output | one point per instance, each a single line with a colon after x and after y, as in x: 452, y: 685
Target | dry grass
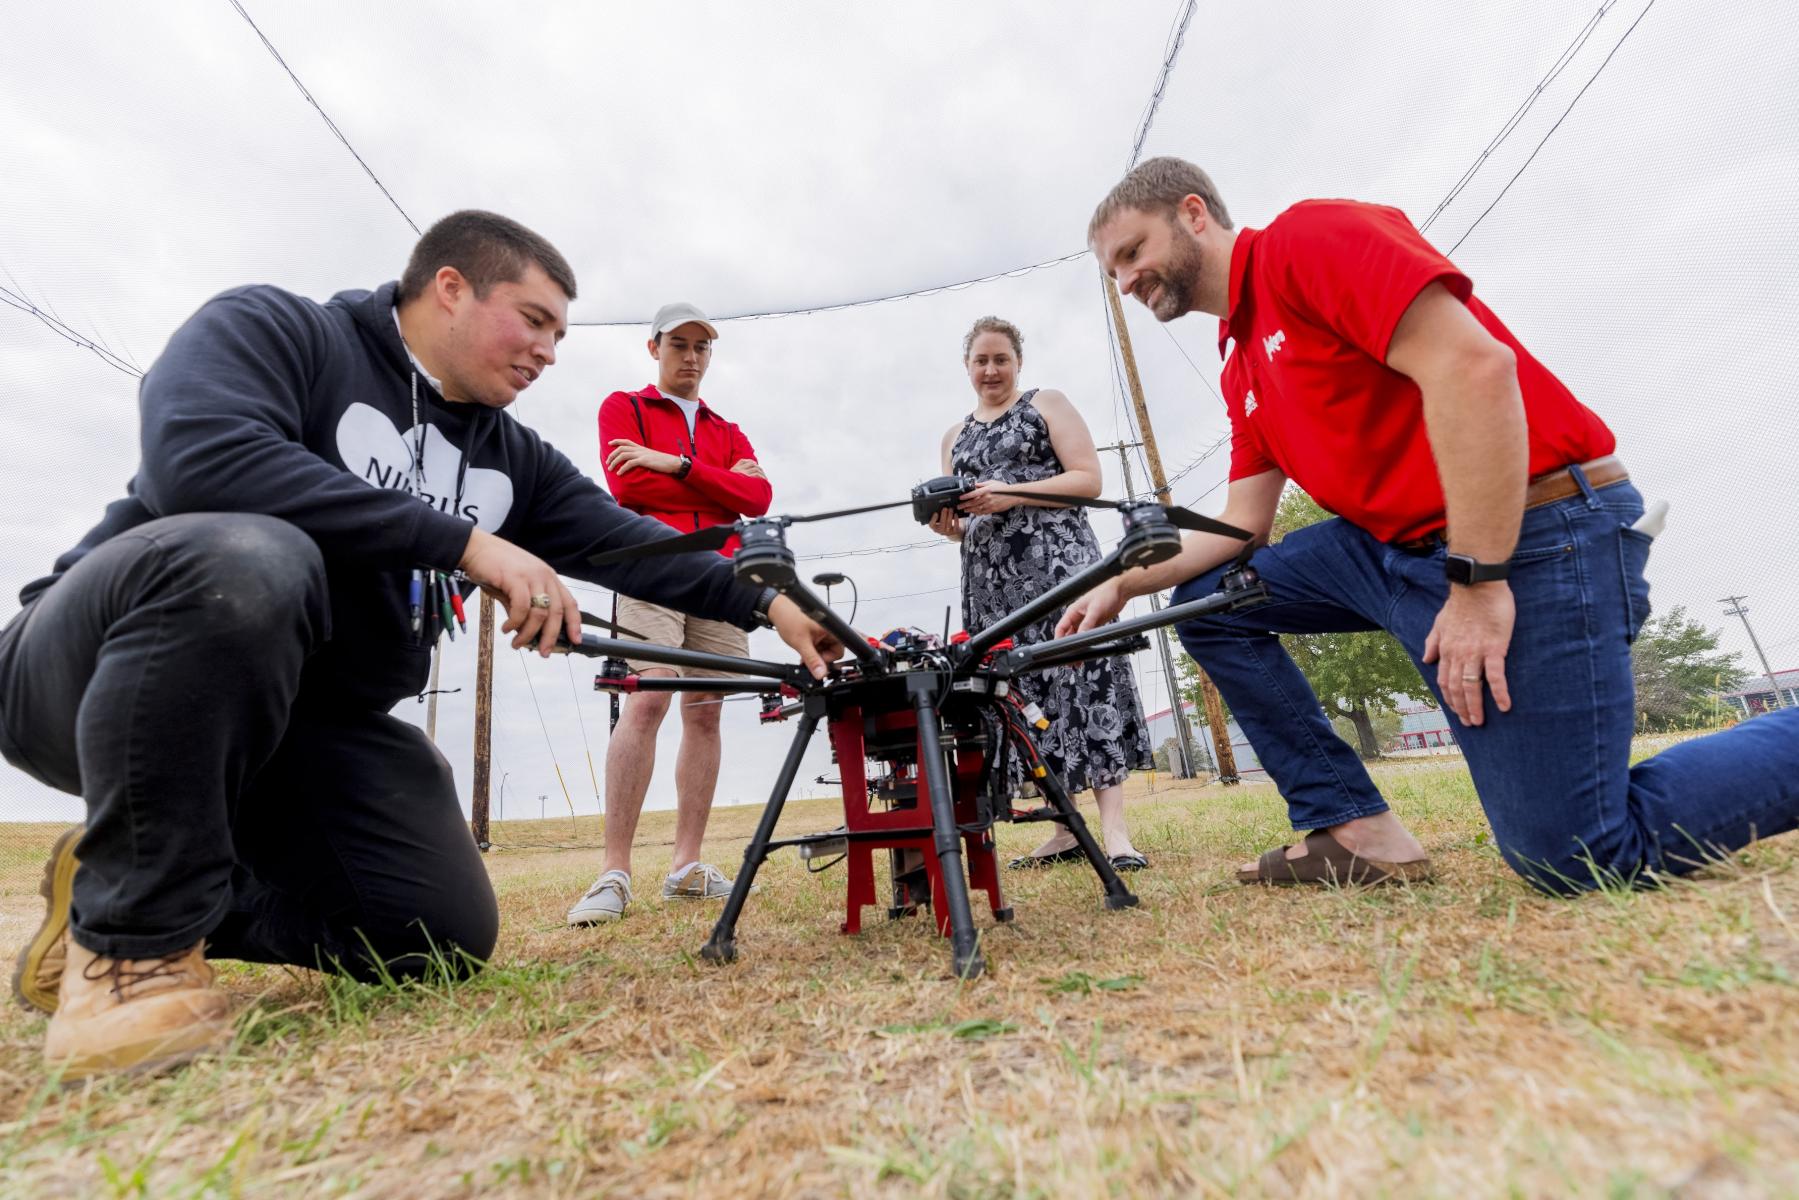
x: 1466, y: 1038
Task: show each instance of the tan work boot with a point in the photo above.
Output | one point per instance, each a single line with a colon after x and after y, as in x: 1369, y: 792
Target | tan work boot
x: 39, y: 970
x: 134, y: 1015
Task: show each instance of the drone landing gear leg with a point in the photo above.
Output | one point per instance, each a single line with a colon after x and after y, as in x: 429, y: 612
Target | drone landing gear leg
x: 965, y: 956
x: 721, y: 947
x: 1117, y: 895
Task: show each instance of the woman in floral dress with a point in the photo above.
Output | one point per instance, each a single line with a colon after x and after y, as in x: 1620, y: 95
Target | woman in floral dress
x: 1015, y: 548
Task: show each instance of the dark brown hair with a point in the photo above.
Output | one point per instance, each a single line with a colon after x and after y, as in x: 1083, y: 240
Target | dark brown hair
x: 487, y: 249
x: 1157, y: 186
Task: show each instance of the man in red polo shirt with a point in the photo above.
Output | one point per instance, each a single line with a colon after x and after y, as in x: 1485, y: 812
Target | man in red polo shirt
x: 1483, y: 520
x: 669, y: 456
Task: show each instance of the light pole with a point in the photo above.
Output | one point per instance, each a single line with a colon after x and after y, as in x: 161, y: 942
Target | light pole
x: 1735, y: 609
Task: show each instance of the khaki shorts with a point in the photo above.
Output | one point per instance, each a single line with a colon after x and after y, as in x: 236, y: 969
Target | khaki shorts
x: 667, y: 627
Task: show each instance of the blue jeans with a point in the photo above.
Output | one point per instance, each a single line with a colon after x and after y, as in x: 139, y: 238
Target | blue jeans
x: 1568, y: 810
x: 161, y: 678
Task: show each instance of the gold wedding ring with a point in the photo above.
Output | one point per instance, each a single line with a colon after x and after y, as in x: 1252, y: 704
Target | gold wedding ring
x: 541, y: 600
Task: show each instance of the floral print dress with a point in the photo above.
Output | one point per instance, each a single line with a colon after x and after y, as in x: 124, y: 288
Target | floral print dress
x: 1097, y: 734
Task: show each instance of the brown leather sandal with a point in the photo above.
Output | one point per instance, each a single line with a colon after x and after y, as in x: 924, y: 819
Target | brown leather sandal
x: 1327, y: 862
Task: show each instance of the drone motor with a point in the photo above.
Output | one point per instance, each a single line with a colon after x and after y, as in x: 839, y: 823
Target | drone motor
x: 1149, y: 536
x: 763, y: 557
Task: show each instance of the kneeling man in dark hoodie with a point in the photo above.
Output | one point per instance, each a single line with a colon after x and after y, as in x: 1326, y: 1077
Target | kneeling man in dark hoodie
x: 211, y: 668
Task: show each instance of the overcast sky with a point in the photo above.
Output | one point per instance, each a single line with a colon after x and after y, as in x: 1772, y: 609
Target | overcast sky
x: 751, y: 157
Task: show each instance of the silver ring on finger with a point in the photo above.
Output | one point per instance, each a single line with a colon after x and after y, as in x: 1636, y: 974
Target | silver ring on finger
x: 541, y: 600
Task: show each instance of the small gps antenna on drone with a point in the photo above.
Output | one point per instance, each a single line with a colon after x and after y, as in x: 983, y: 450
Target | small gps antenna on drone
x: 830, y: 579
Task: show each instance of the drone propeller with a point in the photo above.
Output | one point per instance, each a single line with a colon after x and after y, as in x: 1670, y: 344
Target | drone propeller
x: 588, y: 618
x: 714, y: 537
x: 1181, y: 518
x: 842, y: 512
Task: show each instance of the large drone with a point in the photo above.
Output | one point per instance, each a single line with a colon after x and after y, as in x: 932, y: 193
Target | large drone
x: 938, y: 720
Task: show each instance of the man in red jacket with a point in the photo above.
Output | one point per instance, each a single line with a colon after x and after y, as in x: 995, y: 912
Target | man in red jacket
x: 669, y: 456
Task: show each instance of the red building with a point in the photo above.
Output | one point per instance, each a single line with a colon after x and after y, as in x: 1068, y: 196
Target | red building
x: 1422, y: 727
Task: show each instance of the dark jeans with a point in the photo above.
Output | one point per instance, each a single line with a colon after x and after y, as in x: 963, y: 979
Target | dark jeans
x: 1553, y: 774
x: 160, y: 679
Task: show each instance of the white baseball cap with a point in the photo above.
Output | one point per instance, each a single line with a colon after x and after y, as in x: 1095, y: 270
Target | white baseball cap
x: 673, y: 316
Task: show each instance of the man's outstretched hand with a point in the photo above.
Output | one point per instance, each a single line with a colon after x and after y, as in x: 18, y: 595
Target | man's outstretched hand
x: 1094, y: 609
x: 816, y: 644
x: 514, y: 576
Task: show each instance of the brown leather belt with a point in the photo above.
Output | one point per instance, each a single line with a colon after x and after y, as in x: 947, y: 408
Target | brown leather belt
x: 1544, y: 489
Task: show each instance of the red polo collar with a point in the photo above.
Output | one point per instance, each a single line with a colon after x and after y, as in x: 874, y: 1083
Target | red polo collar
x: 1239, y: 273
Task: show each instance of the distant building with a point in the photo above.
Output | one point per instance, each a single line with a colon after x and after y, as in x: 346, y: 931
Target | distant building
x: 1757, y: 695
x: 1161, y: 729
x: 1422, y: 727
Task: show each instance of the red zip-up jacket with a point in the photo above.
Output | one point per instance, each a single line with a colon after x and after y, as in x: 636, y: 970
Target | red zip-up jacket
x: 712, y: 493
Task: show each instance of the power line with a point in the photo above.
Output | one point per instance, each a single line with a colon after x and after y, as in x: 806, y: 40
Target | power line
x: 1198, y: 459
x: 896, y: 548
x: 62, y: 329
x: 329, y: 123
x: 1130, y: 418
x: 1202, y: 375
x: 1561, y: 64
x: 840, y: 305
x: 1173, y: 46
x: 1176, y: 38
x: 909, y: 595
x: 1208, y: 492
x: 1558, y: 124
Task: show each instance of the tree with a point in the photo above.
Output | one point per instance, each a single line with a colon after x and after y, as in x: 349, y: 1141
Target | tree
x: 1678, y: 672
x: 1387, y: 724
x: 1355, y: 675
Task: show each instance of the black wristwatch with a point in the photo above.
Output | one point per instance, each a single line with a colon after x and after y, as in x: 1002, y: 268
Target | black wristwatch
x: 686, y: 466
x: 763, y: 602
x: 1465, y: 568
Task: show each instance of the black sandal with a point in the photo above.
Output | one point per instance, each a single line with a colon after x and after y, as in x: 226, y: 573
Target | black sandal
x: 1129, y: 862
x: 1031, y: 862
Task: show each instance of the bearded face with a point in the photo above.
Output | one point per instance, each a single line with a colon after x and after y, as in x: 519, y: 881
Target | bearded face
x: 1171, y: 286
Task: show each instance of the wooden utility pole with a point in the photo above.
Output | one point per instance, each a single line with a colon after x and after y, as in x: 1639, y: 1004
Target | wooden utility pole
x: 1189, y: 764
x: 483, y: 724
x: 1736, y: 609
x: 1221, y: 737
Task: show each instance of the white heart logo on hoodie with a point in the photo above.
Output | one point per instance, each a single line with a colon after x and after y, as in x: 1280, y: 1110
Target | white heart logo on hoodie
x: 381, y: 455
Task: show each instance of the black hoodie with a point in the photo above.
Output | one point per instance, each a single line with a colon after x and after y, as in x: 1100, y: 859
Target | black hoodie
x: 266, y: 402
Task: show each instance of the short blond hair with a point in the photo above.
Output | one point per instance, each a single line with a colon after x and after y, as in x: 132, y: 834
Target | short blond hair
x: 1157, y: 186
x: 994, y: 325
